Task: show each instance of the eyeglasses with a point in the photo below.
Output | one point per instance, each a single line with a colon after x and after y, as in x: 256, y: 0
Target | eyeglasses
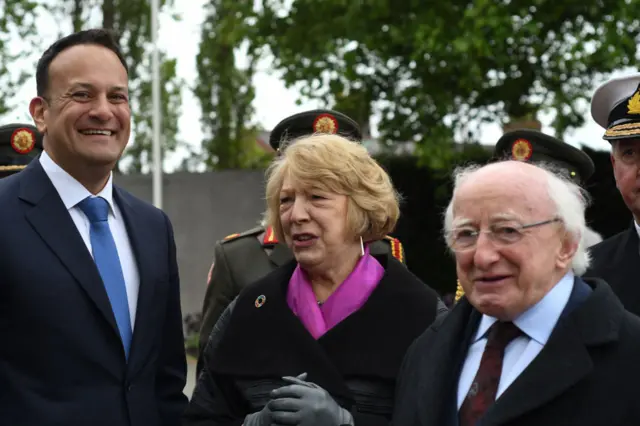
x: 465, y: 238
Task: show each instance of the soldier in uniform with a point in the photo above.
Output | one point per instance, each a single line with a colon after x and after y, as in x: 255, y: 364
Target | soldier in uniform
x: 243, y: 258
x: 536, y: 147
x: 615, y: 106
x: 19, y: 144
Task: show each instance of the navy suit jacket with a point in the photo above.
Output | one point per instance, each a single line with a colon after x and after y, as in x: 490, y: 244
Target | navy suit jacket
x: 61, y: 357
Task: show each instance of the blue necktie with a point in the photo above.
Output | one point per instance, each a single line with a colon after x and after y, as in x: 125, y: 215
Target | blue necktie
x: 106, y: 257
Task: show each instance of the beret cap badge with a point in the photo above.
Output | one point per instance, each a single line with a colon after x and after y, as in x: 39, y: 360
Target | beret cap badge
x: 23, y: 140
x: 521, y: 150
x: 325, y: 123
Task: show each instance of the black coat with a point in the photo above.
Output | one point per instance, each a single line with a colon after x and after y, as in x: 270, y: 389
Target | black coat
x: 357, y: 361
x: 245, y: 258
x: 587, y: 374
x: 617, y: 261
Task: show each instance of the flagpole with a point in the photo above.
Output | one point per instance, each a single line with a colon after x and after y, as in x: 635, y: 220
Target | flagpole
x: 157, y: 117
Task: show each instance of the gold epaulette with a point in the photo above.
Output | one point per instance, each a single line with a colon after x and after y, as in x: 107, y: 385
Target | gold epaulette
x: 459, y: 292
x: 396, y: 248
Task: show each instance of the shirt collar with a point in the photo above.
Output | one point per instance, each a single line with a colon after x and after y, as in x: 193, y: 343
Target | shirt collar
x: 637, y: 227
x: 70, y: 190
x: 538, y: 321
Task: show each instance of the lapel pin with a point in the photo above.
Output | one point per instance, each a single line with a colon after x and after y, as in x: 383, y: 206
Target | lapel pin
x: 260, y: 300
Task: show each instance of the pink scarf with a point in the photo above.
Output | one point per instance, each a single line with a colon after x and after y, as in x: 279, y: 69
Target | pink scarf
x: 345, y: 300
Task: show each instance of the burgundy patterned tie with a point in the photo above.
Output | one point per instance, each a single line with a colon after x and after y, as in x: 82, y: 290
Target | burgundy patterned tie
x: 484, y: 387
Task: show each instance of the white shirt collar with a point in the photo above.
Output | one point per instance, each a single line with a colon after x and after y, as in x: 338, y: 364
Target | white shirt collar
x: 637, y: 227
x: 538, y: 321
x: 70, y: 190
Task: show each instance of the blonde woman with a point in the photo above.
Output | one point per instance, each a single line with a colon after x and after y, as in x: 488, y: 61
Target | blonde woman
x: 320, y: 340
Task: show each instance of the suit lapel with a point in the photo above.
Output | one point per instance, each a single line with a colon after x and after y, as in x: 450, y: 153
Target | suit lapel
x: 139, y: 232
x: 439, y: 374
x: 625, y: 268
x: 50, y: 219
x: 565, y: 359
x: 562, y: 363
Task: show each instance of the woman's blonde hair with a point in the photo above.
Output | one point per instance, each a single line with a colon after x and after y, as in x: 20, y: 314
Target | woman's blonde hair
x: 335, y: 164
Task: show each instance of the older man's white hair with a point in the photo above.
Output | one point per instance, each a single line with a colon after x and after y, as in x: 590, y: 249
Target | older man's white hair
x: 569, y: 199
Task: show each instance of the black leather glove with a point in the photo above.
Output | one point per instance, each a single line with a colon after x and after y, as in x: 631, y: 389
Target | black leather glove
x: 263, y: 417
x: 306, y: 404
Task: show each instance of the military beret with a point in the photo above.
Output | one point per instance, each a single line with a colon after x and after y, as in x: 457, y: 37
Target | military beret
x: 615, y: 106
x: 534, y: 146
x: 19, y: 144
x: 316, y: 121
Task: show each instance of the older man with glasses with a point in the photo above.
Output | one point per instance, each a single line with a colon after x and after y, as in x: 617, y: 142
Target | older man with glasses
x: 530, y: 343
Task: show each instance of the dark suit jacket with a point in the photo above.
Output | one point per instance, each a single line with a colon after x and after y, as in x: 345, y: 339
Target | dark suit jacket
x: 617, y: 261
x: 587, y: 374
x: 61, y: 358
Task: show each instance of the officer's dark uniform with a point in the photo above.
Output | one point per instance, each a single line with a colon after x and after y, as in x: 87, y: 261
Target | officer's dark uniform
x: 19, y: 144
x: 615, y: 106
x: 243, y: 258
x: 536, y: 147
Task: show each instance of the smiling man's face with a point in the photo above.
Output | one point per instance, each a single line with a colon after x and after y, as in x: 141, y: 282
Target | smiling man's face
x: 85, y: 114
x: 505, y: 272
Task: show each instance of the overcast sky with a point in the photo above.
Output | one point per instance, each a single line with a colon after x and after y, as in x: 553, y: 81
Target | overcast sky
x: 273, y: 102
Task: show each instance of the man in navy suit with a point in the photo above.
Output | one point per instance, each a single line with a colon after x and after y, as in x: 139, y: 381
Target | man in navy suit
x: 530, y: 343
x: 90, y: 321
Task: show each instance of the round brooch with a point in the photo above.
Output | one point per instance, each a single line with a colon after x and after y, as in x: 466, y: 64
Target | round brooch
x: 260, y: 300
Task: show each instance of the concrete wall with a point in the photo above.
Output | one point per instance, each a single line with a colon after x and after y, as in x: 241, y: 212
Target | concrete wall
x: 204, y: 208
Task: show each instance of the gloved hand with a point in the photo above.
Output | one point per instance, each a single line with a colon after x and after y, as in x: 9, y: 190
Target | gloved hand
x: 306, y: 404
x: 263, y: 417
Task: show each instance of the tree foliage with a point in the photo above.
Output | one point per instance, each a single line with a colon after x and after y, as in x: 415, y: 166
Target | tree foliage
x: 17, y: 38
x: 131, y: 20
x: 433, y: 69
x: 225, y: 90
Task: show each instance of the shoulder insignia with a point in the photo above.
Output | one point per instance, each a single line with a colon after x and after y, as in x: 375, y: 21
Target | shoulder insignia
x: 459, y: 292
x: 269, y: 237
x: 396, y: 248
x: 235, y: 236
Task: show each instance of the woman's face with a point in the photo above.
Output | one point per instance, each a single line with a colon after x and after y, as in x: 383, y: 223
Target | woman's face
x: 314, y: 224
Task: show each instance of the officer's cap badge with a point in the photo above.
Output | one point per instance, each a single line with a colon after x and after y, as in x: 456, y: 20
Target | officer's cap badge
x: 325, y: 123
x: 521, y: 150
x: 633, y: 106
x: 23, y: 140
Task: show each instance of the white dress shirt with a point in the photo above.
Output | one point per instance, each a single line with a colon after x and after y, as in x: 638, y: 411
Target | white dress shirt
x: 536, y: 325
x: 72, y: 192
